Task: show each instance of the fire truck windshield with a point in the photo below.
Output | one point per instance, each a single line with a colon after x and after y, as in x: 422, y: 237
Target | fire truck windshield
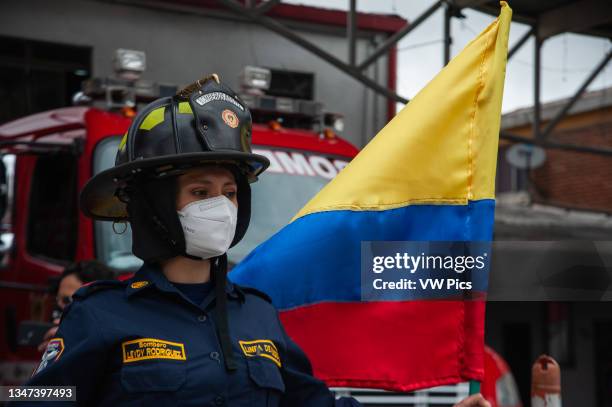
x: 276, y: 198
x: 293, y: 178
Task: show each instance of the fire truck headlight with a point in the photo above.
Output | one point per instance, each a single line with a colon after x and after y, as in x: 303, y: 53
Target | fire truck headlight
x: 254, y: 77
x: 130, y: 64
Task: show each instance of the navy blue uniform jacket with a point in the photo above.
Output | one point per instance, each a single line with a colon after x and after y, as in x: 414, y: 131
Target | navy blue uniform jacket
x: 141, y: 342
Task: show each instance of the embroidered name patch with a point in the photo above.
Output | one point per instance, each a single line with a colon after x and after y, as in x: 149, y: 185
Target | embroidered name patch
x: 150, y: 348
x: 213, y: 96
x: 264, y: 348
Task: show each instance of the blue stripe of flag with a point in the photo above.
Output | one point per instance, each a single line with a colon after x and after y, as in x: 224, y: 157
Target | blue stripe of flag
x: 316, y: 258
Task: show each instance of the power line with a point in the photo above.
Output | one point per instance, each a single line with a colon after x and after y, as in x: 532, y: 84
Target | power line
x: 419, y: 45
x: 561, y: 70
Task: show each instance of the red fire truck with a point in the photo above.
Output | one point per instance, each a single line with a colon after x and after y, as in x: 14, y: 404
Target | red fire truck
x: 48, y: 157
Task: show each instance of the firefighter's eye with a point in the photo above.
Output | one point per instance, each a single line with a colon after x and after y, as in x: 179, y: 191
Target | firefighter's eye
x: 200, y: 192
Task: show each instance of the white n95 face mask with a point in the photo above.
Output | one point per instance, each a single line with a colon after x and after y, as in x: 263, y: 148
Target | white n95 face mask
x: 209, y: 226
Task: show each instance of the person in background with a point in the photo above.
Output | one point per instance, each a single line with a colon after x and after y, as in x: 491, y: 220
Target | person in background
x: 71, y: 279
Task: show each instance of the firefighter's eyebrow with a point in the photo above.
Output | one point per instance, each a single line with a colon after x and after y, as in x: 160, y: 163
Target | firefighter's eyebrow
x: 197, y: 181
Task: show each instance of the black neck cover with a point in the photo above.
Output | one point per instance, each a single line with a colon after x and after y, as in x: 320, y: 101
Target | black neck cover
x: 157, y: 233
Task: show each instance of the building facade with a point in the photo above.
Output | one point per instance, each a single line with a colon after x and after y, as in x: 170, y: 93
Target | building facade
x: 553, y: 225
x: 48, y: 48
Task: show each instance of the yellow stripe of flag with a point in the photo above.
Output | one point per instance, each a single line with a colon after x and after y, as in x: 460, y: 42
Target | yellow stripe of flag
x: 442, y: 147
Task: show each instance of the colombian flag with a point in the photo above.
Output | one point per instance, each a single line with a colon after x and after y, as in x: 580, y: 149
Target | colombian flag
x: 428, y: 175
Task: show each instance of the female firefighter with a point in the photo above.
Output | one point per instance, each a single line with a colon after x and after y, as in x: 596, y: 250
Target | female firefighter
x: 178, y: 332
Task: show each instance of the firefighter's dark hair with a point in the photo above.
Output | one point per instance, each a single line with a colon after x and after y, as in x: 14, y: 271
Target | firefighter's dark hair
x: 88, y: 271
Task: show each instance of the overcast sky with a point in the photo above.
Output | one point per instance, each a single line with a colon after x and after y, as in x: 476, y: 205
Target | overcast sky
x: 567, y: 59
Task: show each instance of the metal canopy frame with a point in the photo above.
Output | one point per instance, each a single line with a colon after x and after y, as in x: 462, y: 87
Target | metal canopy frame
x: 251, y: 13
x: 583, y: 17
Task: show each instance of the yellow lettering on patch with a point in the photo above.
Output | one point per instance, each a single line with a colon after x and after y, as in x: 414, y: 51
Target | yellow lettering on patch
x: 264, y: 348
x: 139, y: 284
x: 149, y: 348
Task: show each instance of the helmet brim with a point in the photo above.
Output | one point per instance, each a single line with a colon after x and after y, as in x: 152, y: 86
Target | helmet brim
x: 99, y: 200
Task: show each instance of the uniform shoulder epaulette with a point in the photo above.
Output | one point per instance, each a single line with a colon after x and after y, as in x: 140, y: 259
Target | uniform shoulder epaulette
x: 96, y: 286
x: 256, y: 292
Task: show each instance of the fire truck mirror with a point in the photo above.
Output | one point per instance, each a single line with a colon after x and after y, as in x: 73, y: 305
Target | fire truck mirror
x: 6, y: 235
x: 3, y: 189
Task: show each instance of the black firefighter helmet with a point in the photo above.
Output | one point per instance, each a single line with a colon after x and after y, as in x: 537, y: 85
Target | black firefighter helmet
x: 205, y: 123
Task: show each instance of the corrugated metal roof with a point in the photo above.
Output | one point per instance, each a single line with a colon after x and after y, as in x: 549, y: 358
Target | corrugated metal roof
x: 594, y: 100
x: 516, y: 217
x: 591, y: 17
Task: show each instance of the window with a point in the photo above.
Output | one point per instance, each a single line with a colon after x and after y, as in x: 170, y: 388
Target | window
x: 291, y: 84
x: 276, y: 198
x: 37, y: 76
x: 52, y: 223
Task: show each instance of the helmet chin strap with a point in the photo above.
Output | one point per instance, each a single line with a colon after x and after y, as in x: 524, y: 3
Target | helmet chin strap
x: 219, y: 274
x: 189, y: 256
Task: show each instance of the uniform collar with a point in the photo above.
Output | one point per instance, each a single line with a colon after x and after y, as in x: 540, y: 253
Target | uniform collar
x: 150, y: 275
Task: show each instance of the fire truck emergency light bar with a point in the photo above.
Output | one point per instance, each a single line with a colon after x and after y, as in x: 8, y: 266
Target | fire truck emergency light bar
x: 283, y: 105
x: 130, y: 64
x: 254, y: 77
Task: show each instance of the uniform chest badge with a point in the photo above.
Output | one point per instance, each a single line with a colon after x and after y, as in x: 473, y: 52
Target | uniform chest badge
x: 150, y: 348
x: 264, y: 348
x: 54, y: 350
x: 139, y: 284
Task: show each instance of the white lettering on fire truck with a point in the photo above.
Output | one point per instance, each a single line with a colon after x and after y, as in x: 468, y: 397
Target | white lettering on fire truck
x: 294, y: 164
x: 300, y: 164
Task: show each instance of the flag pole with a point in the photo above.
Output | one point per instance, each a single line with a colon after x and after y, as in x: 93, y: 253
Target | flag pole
x: 474, y: 387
